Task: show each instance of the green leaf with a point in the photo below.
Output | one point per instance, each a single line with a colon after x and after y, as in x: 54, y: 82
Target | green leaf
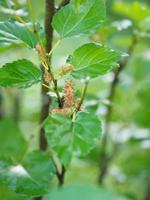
x: 67, y: 137
x: 141, y: 73
x: 31, y: 177
x: 134, y: 10
x: 13, y: 32
x: 144, y: 25
x: 80, y: 192
x: 143, y: 94
x: 8, y: 194
x: 12, y: 143
x: 140, y: 164
x: 40, y: 166
x: 3, y: 3
x: 93, y: 60
x: 82, y: 17
x: 20, y: 73
x: 141, y: 116
x: 141, y: 111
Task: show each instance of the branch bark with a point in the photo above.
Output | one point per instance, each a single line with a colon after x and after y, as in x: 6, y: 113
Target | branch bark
x: 104, y: 157
x: 63, y: 3
x: 46, y: 101
x: 147, y: 195
x: 17, y: 106
x: 61, y: 176
x: 1, y: 107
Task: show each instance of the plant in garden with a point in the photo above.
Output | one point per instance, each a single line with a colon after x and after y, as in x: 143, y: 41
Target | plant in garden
x: 68, y: 129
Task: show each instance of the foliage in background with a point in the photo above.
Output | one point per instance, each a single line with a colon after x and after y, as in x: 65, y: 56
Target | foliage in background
x: 21, y: 165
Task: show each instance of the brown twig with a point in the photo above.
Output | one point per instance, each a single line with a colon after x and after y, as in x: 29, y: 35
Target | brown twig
x: 61, y: 176
x: 46, y: 101
x: 59, y: 99
x: 49, y: 12
x: 1, y: 106
x: 17, y: 107
x: 147, y: 195
x: 82, y: 96
x: 63, y: 3
x: 104, y: 157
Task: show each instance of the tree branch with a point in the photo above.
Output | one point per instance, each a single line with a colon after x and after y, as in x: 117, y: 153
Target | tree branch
x: 1, y: 106
x: 49, y: 12
x: 61, y: 176
x: 82, y: 96
x: 104, y: 158
x: 63, y: 3
x: 46, y: 100
x: 17, y: 106
x: 147, y: 195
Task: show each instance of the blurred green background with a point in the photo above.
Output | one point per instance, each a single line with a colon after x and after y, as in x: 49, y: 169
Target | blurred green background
x: 129, y: 171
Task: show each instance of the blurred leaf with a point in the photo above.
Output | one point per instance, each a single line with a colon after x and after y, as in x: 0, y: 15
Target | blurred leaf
x: 145, y: 24
x: 14, y: 32
x: 3, y: 3
x: 93, y: 60
x: 8, y: 194
x: 31, y: 177
x: 134, y: 10
x: 11, y: 3
x: 78, y: 18
x: 13, y: 12
x: 144, y: 94
x: 13, y: 8
x: 141, y: 116
x: 40, y: 167
x: 20, y: 73
x: 134, y: 161
x: 142, y: 111
x: 140, y: 67
x: 81, y: 192
x: 12, y: 143
x: 67, y: 137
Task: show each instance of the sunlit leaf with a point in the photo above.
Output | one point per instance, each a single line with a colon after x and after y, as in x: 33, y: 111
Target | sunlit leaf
x: 67, y: 137
x: 31, y: 177
x: 93, y: 60
x: 76, y: 18
x: 20, y: 73
x: 12, y: 32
